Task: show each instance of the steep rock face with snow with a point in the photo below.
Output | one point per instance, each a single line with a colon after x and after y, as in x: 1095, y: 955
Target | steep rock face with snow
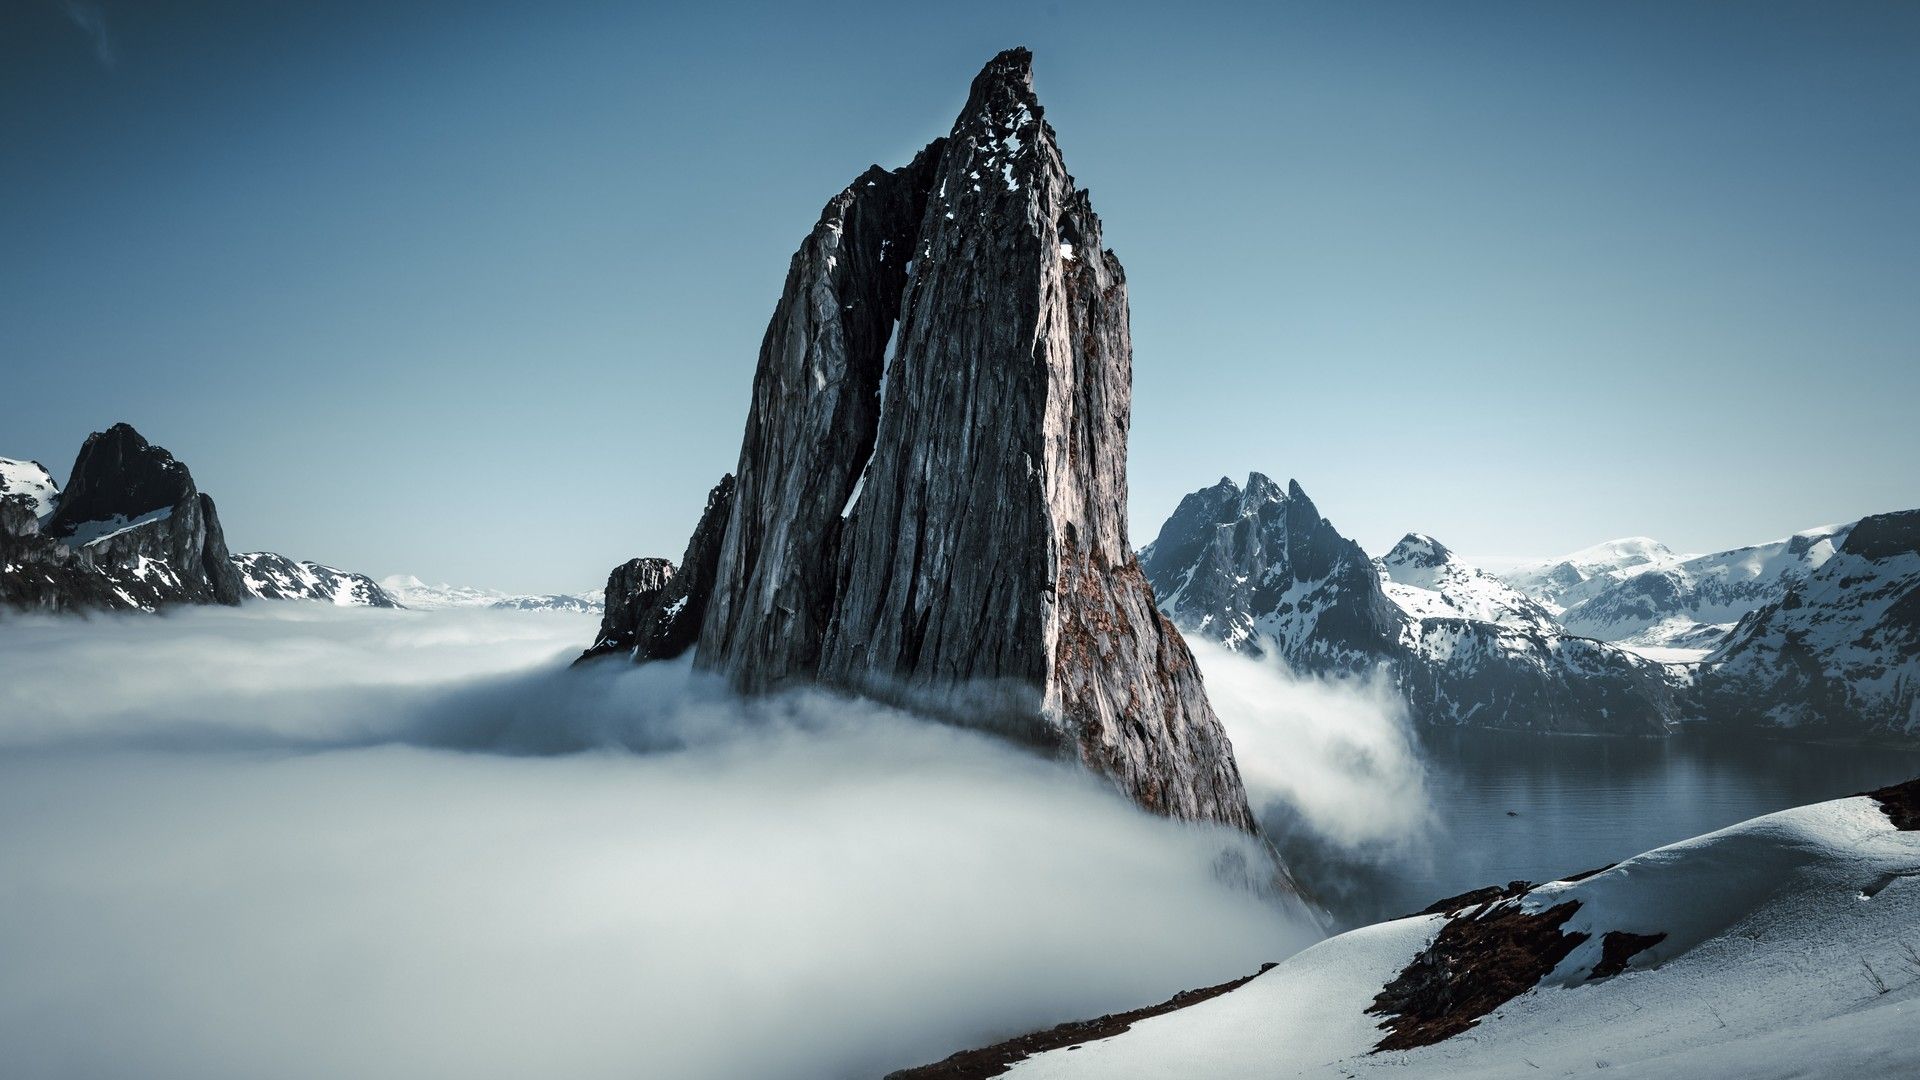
x: 1839, y: 652
x: 130, y: 531
x: 270, y: 576
x: 1262, y: 572
x: 952, y: 536
x: 1258, y: 569
x: 1693, y: 602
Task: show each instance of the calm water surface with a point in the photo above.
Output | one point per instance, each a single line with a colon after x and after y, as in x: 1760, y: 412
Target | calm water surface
x: 1534, y: 807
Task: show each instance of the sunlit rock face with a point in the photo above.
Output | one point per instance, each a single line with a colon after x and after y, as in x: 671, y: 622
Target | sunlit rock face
x: 943, y: 524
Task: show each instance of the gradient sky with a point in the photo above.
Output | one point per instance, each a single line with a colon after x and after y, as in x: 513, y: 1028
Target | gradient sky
x: 475, y: 291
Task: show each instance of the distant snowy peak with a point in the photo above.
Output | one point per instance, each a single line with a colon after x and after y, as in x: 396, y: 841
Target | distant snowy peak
x: 414, y: 593
x: 1563, y: 582
x: 1839, y: 649
x: 1427, y: 580
x: 29, y: 483
x: 270, y: 576
x: 1697, y: 599
x: 1259, y: 570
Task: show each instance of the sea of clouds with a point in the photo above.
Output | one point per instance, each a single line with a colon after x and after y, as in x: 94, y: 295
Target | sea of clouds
x: 296, y: 841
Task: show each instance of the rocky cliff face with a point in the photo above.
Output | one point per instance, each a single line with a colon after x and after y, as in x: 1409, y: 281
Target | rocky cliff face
x: 1262, y: 572
x: 129, y: 532
x: 661, y: 609
x: 810, y: 431
x: 952, y: 535
x: 1839, y: 652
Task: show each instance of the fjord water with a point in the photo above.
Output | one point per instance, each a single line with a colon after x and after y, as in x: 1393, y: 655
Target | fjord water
x: 1508, y: 806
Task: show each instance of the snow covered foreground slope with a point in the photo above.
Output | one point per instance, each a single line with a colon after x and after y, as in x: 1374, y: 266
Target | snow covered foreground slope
x: 1786, y: 954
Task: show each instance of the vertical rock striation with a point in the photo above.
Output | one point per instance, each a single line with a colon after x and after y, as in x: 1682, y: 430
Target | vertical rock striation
x: 952, y: 535
x: 816, y: 404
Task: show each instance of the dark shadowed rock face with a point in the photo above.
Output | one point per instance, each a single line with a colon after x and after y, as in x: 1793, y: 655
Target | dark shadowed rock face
x: 953, y: 536
x: 816, y: 404
x: 130, y: 516
x: 666, y: 623
x: 633, y: 590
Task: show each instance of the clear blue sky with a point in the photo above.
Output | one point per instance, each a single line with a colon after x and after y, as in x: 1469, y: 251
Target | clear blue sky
x: 475, y: 291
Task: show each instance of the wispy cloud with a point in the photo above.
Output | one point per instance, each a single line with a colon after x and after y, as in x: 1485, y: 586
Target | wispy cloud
x: 92, y: 18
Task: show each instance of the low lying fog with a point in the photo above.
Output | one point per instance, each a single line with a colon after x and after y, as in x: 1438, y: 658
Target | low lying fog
x: 298, y: 841
x: 1333, y: 772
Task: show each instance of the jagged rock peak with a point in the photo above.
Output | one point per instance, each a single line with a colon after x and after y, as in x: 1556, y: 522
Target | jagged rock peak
x: 958, y: 543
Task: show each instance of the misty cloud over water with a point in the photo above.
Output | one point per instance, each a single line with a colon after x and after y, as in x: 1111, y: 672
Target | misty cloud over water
x: 275, y: 841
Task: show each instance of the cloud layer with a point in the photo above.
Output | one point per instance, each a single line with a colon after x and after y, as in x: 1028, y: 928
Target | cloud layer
x: 260, y: 843
x: 1333, y: 771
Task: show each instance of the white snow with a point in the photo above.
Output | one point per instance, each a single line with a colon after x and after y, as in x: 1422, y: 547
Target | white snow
x: 29, y: 478
x: 1772, y: 928
x: 93, y: 532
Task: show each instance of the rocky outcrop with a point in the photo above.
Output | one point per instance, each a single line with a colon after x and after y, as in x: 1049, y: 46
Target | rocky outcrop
x: 1839, y: 653
x: 135, y: 531
x: 952, y: 536
x: 267, y: 575
x: 633, y: 590
x: 664, y: 624
x: 1260, y: 571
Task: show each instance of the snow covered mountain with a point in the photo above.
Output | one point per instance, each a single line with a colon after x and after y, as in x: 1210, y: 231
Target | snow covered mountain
x: 130, y: 532
x: 1566, y: 581
x: 1780, y: 947
x: 1260, y: 571
x: 1692, y: 603
x: 1839, y: 651
x: 269, y: 576
x: 29, y: 485
x: 413, y: 593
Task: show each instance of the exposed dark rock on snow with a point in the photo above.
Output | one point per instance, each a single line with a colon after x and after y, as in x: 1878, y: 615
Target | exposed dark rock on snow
x: 1618, y: 948
x: 1901, y: 802
x: 996, y: 1060
x: 975, y: 563
x: 129, y: 532
x: 1477, y: 963
x: 1262, y: 572
x: 1838, y: 653
x: 271, y: 576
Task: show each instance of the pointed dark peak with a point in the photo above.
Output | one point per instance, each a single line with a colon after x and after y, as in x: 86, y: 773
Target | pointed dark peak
x: 1261, y: 489
x: 1010, y: 72
x: 119, y: 473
